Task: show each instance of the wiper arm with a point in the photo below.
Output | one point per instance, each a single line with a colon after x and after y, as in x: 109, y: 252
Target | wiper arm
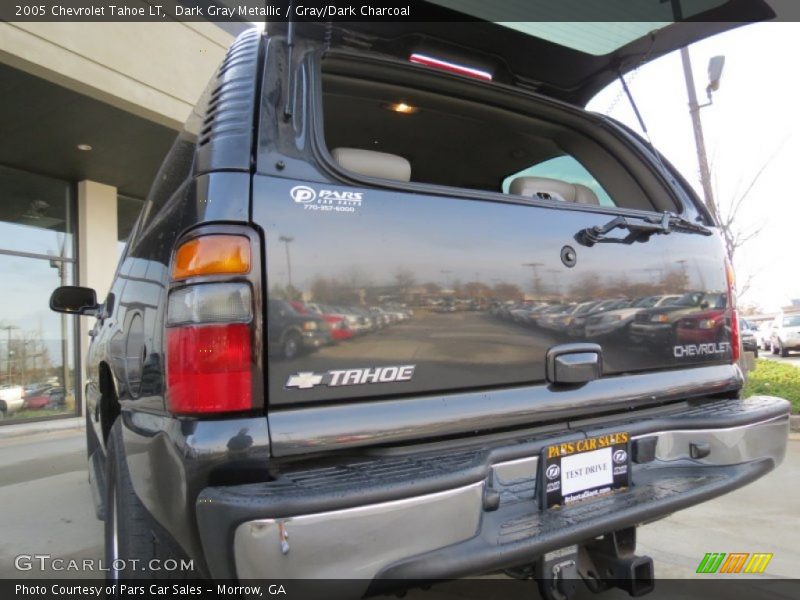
x: 640, y: 230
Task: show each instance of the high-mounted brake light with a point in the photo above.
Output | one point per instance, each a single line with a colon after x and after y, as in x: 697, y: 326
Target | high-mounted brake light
x: 212, y: 255
x: 736, y: 342
x: 437, y: 63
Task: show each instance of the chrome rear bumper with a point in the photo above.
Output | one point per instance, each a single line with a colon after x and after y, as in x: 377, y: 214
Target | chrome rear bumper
x: 493, y: 521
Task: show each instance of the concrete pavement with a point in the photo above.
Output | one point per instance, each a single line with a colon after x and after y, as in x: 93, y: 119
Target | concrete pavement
x: 46, y: 502
x: 47, y: 508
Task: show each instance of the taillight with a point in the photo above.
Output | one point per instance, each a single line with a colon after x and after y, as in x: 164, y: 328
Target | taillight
x: 212, y: 255
x: 209, y: 368
x: 736, y: 342
x: 209, y: 348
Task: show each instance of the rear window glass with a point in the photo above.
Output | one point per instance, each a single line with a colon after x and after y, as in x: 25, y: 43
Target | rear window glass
x: 423, y: 137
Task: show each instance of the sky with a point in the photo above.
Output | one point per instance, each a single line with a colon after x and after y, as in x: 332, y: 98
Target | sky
x: 754, y: 120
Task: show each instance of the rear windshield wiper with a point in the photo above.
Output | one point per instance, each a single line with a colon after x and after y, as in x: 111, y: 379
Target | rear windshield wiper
x: 640, y: 230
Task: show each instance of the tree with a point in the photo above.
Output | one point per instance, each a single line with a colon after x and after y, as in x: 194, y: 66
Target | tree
x: 404, y: 279
x: 507, y: 291
x: 432, y: 288
x: 735, y: 233
x: 476, y: 289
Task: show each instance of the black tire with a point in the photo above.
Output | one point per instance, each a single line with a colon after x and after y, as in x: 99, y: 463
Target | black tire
x: 773, y: 348
x: 292, y: 345
x: 783, y: 351
x: 129, y: 524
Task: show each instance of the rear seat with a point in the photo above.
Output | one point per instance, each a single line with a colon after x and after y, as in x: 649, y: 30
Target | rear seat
x: 372, y: 163
x: 544, y: 188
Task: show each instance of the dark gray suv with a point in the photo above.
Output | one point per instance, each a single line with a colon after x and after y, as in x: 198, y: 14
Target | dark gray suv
x: 395, y: 168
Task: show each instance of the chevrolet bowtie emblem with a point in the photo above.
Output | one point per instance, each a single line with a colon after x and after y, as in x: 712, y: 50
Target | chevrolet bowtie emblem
x: 304, y: 380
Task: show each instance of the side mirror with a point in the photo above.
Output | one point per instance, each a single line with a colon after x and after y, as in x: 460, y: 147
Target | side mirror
x: 74, y: 300
x: 715, y: 66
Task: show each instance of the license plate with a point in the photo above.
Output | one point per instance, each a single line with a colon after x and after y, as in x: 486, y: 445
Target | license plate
x: 582, y: 469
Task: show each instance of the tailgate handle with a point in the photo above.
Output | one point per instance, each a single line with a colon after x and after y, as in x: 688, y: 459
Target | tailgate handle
x: 574, y: 363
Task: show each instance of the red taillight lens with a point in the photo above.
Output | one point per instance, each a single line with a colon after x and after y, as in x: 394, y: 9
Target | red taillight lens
x: 209, y: 369
x: 736, y: 342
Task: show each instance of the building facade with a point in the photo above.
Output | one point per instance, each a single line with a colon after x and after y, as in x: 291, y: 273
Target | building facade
x: 87, y: 113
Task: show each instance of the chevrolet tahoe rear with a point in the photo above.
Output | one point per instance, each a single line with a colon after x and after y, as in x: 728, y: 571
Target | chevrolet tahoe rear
x: 366, y: 171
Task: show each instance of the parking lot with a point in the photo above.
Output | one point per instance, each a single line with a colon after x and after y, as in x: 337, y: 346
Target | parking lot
x: 47, y: 508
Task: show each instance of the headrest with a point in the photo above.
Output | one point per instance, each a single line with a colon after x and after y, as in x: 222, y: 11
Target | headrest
x: 373, y: 164
x: 552, y: 189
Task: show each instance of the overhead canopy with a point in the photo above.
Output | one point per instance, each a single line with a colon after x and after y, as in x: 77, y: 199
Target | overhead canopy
x: 43, y: 124
x: 569, y: 49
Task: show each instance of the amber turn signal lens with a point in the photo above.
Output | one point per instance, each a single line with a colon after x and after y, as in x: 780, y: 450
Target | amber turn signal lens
x: 212, y: 255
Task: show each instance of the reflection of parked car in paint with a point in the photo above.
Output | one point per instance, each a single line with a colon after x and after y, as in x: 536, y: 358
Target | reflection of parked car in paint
x: 785, y: 334
x: 402, y: 313
x: 291, y: 333
x: 546, y: 318
x: 566, y: 321
x: 382, y: 317
x: 614, y: 321
x: 521, y: 314
x: 369, y: 322
x: 747, y: 333
x: 702, y: 327
x: 354, y: 322
x: 11, y: 400
x: 657, y: 325
x: 339, y: 328
x: 577, y: 325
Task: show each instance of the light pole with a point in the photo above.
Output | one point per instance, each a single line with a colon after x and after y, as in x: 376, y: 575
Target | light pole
x: 8, y: 329
x: 537, y: 282
x: 715, y: 66
x: 288, y: 240
x: 446, y: 273
x: 556, y: 282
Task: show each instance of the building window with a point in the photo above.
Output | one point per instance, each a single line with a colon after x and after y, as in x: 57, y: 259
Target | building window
x: 37, y: 254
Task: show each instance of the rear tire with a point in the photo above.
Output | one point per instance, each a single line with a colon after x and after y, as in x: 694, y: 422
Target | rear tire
x: 129, y: 529
x: 292, y: 345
